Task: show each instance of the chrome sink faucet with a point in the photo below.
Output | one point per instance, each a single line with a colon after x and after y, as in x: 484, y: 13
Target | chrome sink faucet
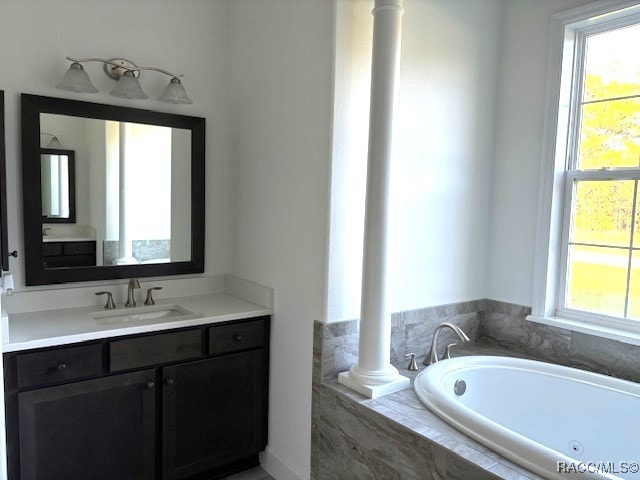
x: 433, y: 354
x: 131, y: 299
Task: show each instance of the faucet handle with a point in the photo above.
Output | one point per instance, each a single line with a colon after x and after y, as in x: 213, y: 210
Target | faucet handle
x: 149, y: 300
x: 109, y: 305
x: 413, y: 366
x: 447, y: 352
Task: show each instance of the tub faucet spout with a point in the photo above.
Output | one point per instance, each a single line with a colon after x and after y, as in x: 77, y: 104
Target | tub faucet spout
x: 433, y: 353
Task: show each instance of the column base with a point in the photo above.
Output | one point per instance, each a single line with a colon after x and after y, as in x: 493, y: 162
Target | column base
x: 127, y: 261
x: 373, y: 391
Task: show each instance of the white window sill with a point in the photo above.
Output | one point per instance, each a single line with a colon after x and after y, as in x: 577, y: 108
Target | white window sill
x: 630, y: 335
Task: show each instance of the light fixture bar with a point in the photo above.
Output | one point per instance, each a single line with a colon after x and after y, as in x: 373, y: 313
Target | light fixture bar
x: 125, y: 73
x: 117, y: 65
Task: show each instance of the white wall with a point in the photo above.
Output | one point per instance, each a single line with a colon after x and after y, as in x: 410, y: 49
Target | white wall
x: 280, y: 131
x: 444, y: 137
x: 519, y: 143
x: 352, y: 85
x: 189, y: 37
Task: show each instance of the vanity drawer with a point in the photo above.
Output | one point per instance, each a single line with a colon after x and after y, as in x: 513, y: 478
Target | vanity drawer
x: 79, y: 248
x: 238, y: 336
x: 69, y: 261
x: 58, y: 365
x: 50, y: 249
x: 154, y: 349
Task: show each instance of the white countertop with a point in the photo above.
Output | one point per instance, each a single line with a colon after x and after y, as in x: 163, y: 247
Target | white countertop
x: 73, y: 325
x: 49, y: 239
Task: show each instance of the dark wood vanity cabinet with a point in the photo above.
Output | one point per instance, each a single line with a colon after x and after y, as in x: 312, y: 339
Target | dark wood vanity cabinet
x: 167, y: 405
x: 211, y: 413
x: 69, y: 254
x: 100, y: 429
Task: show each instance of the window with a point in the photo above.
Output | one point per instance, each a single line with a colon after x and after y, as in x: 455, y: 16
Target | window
x: 588, y: 262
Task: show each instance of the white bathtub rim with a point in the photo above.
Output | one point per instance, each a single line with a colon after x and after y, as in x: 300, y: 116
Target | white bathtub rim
x: 449, y: 366
x: 495, y: 436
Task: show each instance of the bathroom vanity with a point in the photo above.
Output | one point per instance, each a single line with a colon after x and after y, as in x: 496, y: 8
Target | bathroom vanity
x: 172, y: 390
x: 69, y: 254
x: 120, y: 395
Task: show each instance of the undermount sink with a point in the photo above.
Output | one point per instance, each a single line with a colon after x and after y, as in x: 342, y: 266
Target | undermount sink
x: 148, y: 314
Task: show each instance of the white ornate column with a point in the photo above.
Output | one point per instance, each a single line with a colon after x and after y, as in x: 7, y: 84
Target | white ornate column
x: 374, y: 375
x: 125, y: 245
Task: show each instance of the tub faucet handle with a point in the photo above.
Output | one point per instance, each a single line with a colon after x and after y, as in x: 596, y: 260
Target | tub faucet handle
x: 109, y: 305
x: 413, y: 366
x: 447, y: 352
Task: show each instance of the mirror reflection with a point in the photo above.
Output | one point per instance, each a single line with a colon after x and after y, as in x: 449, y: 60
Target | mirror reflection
x: 131, y: 183
x: 4, y: 259
x: 57, y: 170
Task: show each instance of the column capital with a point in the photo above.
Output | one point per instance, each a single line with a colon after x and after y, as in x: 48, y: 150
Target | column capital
x: 392, y: 5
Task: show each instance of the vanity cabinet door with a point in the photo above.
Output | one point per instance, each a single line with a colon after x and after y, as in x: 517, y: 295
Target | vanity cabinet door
x: 102, y: 429
x: 211, y: 413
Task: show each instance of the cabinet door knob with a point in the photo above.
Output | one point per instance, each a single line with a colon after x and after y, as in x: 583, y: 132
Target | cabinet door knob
x: 151, y: 384
x: 169, y: 381
x: 62, y: 367
x: 237, y: 337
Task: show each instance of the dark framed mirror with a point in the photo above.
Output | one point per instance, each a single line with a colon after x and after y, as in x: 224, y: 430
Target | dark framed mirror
x: 58, y: 185
x: 138, y: 187
x: 4, y: 247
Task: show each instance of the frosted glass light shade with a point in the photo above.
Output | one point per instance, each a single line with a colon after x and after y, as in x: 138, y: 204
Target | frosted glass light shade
x: 129, y: 87
x: 77, y: 80
x: 55, y: 143
x: 175, y: 93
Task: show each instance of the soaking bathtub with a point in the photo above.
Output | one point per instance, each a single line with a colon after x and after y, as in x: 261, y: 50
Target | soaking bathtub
x: 558, y: 422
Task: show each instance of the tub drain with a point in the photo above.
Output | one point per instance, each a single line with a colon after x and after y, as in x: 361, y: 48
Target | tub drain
x: 576, y: 447
x: 460, y: 387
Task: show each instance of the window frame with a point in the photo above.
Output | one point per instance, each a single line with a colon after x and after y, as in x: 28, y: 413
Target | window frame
x: 569, y: 32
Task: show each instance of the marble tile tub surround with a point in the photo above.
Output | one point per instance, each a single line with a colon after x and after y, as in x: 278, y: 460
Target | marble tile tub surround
x: 395, y: 436
x: 505, y: 325
x: 142, y: 250
x: 391, y: 437
x: 486, y: 321
x: 411, y: 332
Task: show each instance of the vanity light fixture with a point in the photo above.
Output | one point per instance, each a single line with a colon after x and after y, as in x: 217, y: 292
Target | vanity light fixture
x: 126, y: 73
x: 54, y: 142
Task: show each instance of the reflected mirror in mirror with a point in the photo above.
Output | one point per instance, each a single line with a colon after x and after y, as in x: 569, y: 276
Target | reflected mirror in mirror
x: 124, y: 197
x: 57, y: 184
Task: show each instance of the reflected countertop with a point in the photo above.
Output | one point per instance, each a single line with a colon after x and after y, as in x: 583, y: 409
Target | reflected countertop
x: 49, y: 239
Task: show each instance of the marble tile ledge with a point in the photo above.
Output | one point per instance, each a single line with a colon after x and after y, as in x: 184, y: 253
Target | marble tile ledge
x: 403, y: 408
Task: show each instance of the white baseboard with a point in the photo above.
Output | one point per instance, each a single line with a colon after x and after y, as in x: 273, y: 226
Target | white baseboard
x: 277, y: 468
